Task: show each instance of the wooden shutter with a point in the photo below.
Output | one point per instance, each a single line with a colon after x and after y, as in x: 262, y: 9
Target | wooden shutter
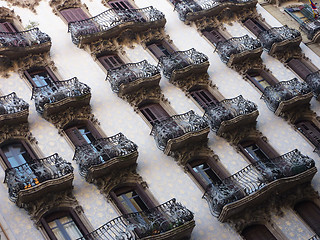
x: 203, y: 97
x: 310, y: 131
x: 254, y: 26
x: 299, y: 68
x: 257, y: 232
x: 120, y: 5
x: 110, y: 61
x: 74, y: 14
x: 267, y: 148
x: 75, y: 136
x: 93, y: 130
x: 156, y: 50
x: 214, y: 36
x: 154, y: 113
x: 167, y: 46
x: 7, y: 27
x: 268, y: 77
x: 310, y: 213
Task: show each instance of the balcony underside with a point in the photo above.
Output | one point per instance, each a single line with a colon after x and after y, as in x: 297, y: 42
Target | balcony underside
x: 55, y: 107
x: 49, y: 186
x: 243, y: 56
x: 138, y: 84
x: 15, y: 52
x: 134, y: 27
x: 293, y: 103
x: 15, y: 118
x: 238, y: 122
x: 286, y: 44
x: 112, y: 165
x: 182, y: 232
x: 186, y: 138
x: 275, y: 187
x: 188, y: 70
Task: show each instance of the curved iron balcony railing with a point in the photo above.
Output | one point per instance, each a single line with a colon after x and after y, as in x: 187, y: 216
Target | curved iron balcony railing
x: 254, y: 177
x: 177, y: 126
x: 181, y: 59
x: 12, y: 107
x: 58, y: 91
x: 277, y: 35
x: 284, y: 91
x: 110, y: 19
x: 313, y: 80
x: 102, y: 151
x: 228, y: 109
x: 163, y: 219
x: 311, y: 28
x: 30, y: 175
x: 236, y: 45
x: 315, y: 237
x: 129, y: 73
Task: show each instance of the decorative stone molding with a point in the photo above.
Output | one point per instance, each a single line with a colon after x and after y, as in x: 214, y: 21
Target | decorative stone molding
x: 101, y: 46
x: 6, y: 13
x: 33, y: 60
x: 16, y: 131
x: 58, y: 5
x: 235, y: 136
x: 24, y: 4
x: 185, y: 84
x: 299, y: 113
x: 249, y: 63
x: 287, y: 53
x: 154, y: 35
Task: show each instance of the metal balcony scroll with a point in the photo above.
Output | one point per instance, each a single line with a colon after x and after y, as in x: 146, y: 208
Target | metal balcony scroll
x: 283, y: 91
x: 111, y: 18
x: 313, y: 80
x: 255, y: 177
x: 57, y: 91
x: 152, y: 222
x: 10, y: 104
x: 29, y: 175
x: 311, y: 28
x: 181, y: 59
x: 176, y: 126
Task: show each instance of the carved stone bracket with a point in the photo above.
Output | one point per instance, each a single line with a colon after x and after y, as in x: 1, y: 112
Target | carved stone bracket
x: 154, y: 35
x: 290, y: 52
x: 16, y: 131
x: 33, y: 60
x: 299, y: 113
x: 6, y: 13
x: 58, y: 5
x: 235, y: 136
x: 101, y: 46
x: 25, y: 4
x: 185, y: 84
x: 250, y: 63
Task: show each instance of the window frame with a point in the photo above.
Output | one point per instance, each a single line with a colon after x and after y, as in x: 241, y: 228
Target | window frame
x: 77, y: 12
x: 200, y: 99
x: 156, y: 51
x: 28, y: 73
x: 267, y: 76
x: 213, y: 35
x: 255, y: 26
x: 156, y: 109
x: 310, y: 138
x: 119, y: 62
x: 307, y: 222
x: 266, y: 229
x: 302, y: 73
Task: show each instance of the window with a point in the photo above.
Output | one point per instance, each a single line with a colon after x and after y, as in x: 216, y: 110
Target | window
x: 214, y: 36
x: 63, y: 225
x: 203, y: 97
x: 74, y: 14
x: 160, y: 49
x: 257, y: 232
x: 154, y: 113
x: 120, y: 4
x: 110, y: 61
x: 301, y: 14
x: 7, y: 27
x: 310, y: 131
x: 310, y: 213
x: 255, y: 26
x: 300, y: 67
x: 41, y: 77
x: 261, y: 79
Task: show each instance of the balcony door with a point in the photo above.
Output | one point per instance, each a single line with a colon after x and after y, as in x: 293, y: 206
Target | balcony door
x: 310, y: 131
x: 255, y: 26
x: 261, y: 79
x: 7, y: 27
x: 203, y: 97
x: 74, y: 14
x: 160, y: 49
x: 41, y: 77
x: 257, y: 232
x: 300, y: 68
x: 310, y: 213
x: 121, y: 5
x: 111, y: 61
x: 214, y: 36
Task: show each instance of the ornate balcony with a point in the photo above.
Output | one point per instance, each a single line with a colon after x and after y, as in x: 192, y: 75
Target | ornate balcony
x: 18, y: 44
x: 315, y: 237
x: 181, y: 64
x: 13, y: 110
x: 176, y: 131
x: 313, y: 80
x: 170, y: 220
x: 312, y: 29
x: 239, y: 49
x: 190, y: 10
x: 257, y: 182
x: 105, y: 155
x: 287, y: 95
x: 111, y: 23
x: 58, y: 96
x: 230, y: 114
x: 280, y: 38
x: 30, y: 181
x: 133, y: 76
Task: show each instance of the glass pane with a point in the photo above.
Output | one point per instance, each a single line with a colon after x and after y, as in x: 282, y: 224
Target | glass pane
x: 64, y: 228
x: 261, y: 81
x: 41, y: 79
x: 256, y: 153
x: 16, y: 154
x: 86, y: 134
x: 205, y: 173
x: 132, y: 202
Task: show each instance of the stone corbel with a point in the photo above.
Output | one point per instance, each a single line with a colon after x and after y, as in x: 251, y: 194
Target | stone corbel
x: 16, y: 131
x: 58, y: 5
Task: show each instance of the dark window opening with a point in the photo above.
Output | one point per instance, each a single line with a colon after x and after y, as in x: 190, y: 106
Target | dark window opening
x: 310, y: 213
x: 203, y: 97
x: 41, y: 77
x: 74, y: 14
x: 110, y: 61
x: 261, y: 79
x: 214, y: 36
x: 257, y: 232
x: 255, y: 26
x: 160, y: 49
x: 310, y: 131
x: 154, y: 113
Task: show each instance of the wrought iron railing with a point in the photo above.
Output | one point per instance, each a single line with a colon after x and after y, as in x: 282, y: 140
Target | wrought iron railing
x: 254, y: 177
x: 129, y: 73
x: 236, y: 45
x: 315, y: 237
x: 227, y: 110
x: 29, y: 175
x: 283, y: 91
x: 176, y: 126
x: 57, y: 91
x: 277, y: 34
x: 181, y: 59
x: 10, y: 104
x: 310, y: 28
x: 110, y: 19
x: 102, y: 150
x: 138, y: 225
x: 313, y: 80
x: 23, y: 39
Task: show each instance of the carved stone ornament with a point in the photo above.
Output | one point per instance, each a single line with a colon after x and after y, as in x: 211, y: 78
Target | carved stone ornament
x: 250, y: 63
x: 30, y: 4
x: 154, y: 35
x: 58, y: 5
x: 237, y: 135
x: 6, y: 13
x: 299, y: 113
x: 290, y: 52
x: 16, y: 131
x: 185, y: 84
x: 273, y: 205
x: 33, y: 60
x: 101, y: 46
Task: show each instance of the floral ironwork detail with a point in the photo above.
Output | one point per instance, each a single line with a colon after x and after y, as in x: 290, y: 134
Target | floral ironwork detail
x: 110, y: 19
x: 176, y: 126
x: 129, y: 73
x: 10, y: 104
x: 228, y: 109
x: 283, y: 91
x: 57, y: 91
x: 313, y: 80
x: 38, y: 171
x: 254, y: 177
x: 181, y: 59
x: 138, y: 225
x: 102, y: 150
x: 277, y: 34
x: 311, y: 28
